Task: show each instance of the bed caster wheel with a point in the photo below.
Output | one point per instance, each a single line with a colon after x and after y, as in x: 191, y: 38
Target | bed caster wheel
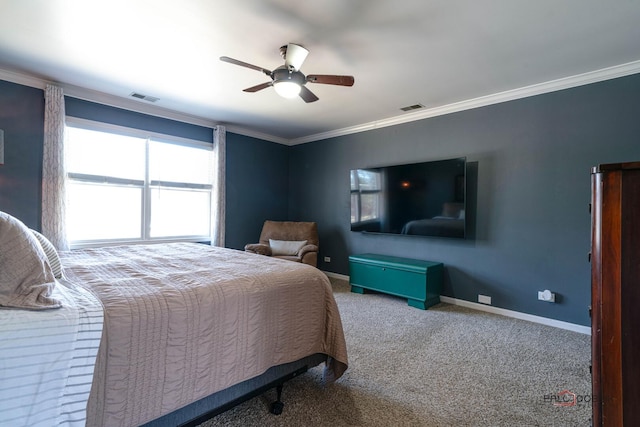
x: 276, y: 408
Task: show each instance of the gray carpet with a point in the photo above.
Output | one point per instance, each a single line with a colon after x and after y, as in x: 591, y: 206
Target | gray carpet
x: 447, y: 366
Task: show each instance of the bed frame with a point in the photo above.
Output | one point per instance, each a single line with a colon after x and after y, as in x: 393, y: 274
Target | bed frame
x: 208, y: 407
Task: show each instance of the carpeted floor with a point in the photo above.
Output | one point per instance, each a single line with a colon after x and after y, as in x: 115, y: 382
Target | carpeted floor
x: 447, y: 366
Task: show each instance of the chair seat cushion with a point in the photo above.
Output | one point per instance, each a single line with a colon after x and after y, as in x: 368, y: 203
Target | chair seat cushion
x: 284, y: 247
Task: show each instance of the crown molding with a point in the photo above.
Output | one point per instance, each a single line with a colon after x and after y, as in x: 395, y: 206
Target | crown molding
x: 509, y: 95
x: 258, y: 135
x: 23, y: 79
x: 131, y: 104
x: 153, y: 110
x: 138, y: 106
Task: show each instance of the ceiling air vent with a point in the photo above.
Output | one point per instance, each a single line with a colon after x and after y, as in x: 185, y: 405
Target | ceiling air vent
x: 412, y: 107
x: 144, y: 97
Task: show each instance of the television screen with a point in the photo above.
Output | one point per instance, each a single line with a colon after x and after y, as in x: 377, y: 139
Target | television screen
x: 418, y: 199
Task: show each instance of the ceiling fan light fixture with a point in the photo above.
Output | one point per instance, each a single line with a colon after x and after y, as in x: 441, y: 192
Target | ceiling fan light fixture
x: 287, y: 80
x: 287, y: 88
x: 294, y: 55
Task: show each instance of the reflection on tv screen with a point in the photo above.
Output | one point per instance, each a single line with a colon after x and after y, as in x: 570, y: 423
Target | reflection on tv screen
x: 417, y: 199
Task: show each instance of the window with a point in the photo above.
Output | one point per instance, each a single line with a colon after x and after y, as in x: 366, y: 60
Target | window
x: 126, y: 186
x: 365, y: 195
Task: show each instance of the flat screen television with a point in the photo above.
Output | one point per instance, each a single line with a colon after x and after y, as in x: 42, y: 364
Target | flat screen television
x: 417, y: 199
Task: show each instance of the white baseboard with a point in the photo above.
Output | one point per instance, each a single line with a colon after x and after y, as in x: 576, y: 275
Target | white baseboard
x: 518, y: 315
x: 336, y: 275
x: 501, y: 311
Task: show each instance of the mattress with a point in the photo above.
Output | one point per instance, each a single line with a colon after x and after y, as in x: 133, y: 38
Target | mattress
x: 184, y: 320
x: 47, y: 360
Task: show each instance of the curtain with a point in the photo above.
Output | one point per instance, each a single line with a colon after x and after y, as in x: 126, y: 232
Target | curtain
x: 218, y: 207
x: 53, y: 173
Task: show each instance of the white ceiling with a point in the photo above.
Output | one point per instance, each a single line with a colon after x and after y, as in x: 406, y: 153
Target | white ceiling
x: 401, y: 52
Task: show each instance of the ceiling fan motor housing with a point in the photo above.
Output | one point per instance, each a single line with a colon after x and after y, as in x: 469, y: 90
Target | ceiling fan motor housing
x: 282, y: 74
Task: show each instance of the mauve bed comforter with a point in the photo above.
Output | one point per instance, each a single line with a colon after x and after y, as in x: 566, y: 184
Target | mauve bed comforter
x: 185, y: 320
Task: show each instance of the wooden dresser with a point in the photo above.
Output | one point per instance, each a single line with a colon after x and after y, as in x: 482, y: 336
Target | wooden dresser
x: 615, y: 294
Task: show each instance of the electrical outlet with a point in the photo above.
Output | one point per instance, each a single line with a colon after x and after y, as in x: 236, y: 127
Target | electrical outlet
x: 484, y: 299
x: 547, y: 296
x: 327, y: 259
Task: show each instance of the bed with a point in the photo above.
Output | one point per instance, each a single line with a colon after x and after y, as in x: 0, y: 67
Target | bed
x: 189, y: 327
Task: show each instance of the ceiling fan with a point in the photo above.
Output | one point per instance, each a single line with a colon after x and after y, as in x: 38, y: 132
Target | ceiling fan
x: 287, y: 79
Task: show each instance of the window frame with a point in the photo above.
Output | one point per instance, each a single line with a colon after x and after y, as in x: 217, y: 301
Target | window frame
x: 146, y: 185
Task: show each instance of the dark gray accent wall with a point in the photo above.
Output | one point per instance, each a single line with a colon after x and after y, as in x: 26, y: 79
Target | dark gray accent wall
x: 256, y: 173
x: 529, y: 165
x: 22, y: 119
x: 528, y: 185
x: 257, y: 187
x: 75, y: 107
x: 256, y: 170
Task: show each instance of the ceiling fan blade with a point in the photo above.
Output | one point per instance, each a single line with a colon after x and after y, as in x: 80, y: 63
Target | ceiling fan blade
x: 244, y: 64
x: 258, y: 87
x: 329, y: 79
x: 307, y: 95
x: 295, y: 56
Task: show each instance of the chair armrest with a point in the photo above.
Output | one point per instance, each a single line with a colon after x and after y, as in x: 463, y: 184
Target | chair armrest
x: 306, y: 249
x: 258, y: 248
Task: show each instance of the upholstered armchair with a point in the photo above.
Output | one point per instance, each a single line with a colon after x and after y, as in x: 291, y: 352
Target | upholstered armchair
x: 294, y: 241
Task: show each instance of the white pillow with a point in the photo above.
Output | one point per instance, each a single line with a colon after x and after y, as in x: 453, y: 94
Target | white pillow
x: 51, y: 252
x: 26, y: 278
x: 286, y: 247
